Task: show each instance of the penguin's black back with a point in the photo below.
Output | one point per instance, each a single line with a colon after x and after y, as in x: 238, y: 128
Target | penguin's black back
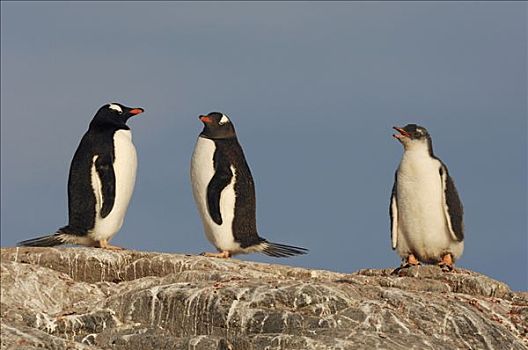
x: 81, y: 198
x: 229, y: 153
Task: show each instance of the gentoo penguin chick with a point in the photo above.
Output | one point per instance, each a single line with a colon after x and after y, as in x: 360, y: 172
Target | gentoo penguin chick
x: 224, y: 193
x: 425, y: 210
x: 101, y: 181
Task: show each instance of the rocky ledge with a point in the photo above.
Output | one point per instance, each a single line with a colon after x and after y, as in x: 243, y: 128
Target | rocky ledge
x: 81, y: 298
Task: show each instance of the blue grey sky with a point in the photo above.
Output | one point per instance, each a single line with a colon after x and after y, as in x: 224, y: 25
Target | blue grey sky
x: 313, y: 89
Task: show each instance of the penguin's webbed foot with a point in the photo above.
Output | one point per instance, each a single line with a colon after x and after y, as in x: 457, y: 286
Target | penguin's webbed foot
x: 222, y: 255
x: 447, y: 263
x: 103, y: 244
x: 410, y: 262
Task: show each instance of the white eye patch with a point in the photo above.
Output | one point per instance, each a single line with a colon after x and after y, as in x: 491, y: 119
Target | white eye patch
x: 115, y: 107
x: 223, y: 120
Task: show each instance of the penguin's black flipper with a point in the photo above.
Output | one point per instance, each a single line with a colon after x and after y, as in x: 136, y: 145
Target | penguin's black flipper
x: 105, y: 171
x: 220, y: 180
x: 44, y: 241
x: 393, y: 213
x: 278, y: 250
x: 452, y: 205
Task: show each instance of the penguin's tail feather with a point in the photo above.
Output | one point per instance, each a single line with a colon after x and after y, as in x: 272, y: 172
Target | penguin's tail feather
x: 45, y: 241
x: 278, y: 250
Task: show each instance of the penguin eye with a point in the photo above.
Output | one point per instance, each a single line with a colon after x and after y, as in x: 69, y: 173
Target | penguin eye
x: 116, y: 108
x: 418, y: 133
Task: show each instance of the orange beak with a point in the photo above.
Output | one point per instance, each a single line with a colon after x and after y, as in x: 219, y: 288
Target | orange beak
x: 206, y: 119
x: 402, y: 132
x: 136, y: 111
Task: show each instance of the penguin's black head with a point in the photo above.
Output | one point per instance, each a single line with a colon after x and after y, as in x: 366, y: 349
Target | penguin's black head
x: 414, y: 136
x: 412, y: 131
x: 114, y: 115
x: 217, y: 126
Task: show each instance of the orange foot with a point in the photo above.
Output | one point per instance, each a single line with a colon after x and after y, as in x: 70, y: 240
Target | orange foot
x: 223, y: 255
x: 103, y: 244
x: 447, y: 263
x: 410, y: 261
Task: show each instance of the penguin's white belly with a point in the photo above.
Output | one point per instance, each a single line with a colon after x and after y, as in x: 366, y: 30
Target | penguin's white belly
x: 125, y: 166
x: 202, y: 171
x: 422, y: 224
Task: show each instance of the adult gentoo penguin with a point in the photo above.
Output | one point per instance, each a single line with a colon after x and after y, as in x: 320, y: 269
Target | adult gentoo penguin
x: 425, y: 210
x: 224, y: 192
x: 101, y: 181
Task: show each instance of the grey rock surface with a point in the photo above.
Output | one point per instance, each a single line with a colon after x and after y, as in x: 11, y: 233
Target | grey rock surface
x: 83, y: 298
